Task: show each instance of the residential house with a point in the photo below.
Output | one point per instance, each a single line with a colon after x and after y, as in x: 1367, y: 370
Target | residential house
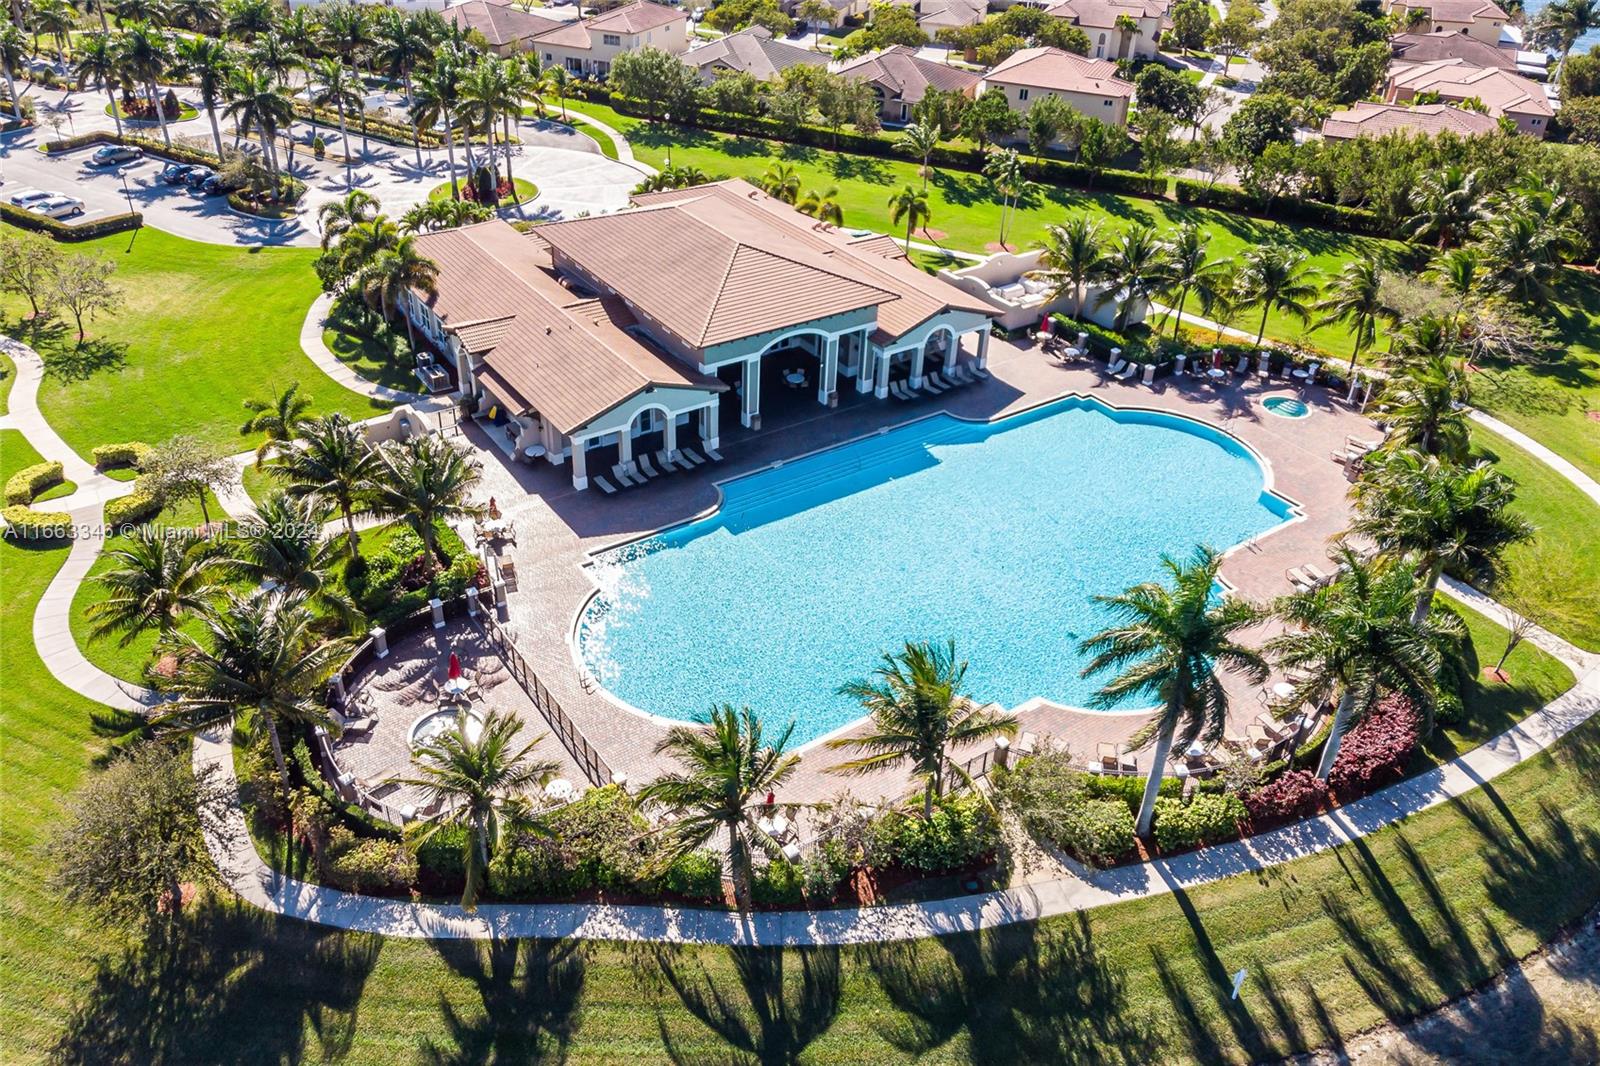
x: 568, y: 335
x: 509, y: 30
x: 1502, y: 93
x: 1482, y: 20
x: 842, y: 10
x: 900, y: 78
x: 1118, y: 29
x: 750, y: 51
x: 588, y: 47
x: 1091, y: 86
x: 1426, y: 47
x: 1368, y: 119
x: 936, y: 15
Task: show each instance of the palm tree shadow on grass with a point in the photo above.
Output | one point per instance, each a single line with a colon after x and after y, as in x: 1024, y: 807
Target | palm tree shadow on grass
x: 228, y: 984
x: 783, y: 1002
x: 530, y: 991
x: 1028, y: 992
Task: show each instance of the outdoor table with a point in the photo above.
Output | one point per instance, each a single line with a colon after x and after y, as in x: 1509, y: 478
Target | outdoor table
x: 560, y: 790
x: 456, y: 688
x: 775, y: 826
x: 1301, y: 373
x: 533, y: 451
x: 1196, y: 750
x: 795, y: 378
x: 1216, y: 373
x: 1283, y: 690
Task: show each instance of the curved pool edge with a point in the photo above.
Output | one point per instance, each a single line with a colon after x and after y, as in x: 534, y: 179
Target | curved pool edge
x: 1295, y: 512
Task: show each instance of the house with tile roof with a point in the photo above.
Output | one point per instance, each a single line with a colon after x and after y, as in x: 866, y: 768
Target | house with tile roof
x: 1368, y: 119
x: 750, y: 51
x: 1109, y: 39
x: 1091, y: 86
x: 587, y: 48
x: 1482, y: 20
x: 936, y: 15
x: 900, y: 78
x: 1502, y: 93
x: 570, y: 336
x: 1426, y: 47
x: 508, y: 29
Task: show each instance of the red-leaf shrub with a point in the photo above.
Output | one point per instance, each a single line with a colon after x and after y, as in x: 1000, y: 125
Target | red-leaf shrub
x: 1377, y: 749
x: 1291, y: 795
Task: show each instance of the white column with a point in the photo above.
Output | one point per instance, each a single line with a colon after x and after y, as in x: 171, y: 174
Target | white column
x: 708, y: 424
x: 580, y: 464
x: 670, y: 437
x: 882, y: 391
x: 828, y: 376
x: 750, y: 415
x: 983, y: 348
x: 625, y: 448
x: 918, y: 357
x: 864, y: 375
x: 950, y: 353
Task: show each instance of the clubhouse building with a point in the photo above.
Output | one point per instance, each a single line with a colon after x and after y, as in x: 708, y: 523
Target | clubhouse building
x: 599, y: 340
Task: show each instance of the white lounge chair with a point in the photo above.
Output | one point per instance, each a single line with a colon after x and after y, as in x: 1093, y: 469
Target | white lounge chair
x: 668, y: 463
x: 978, y: 371
x: 1115, y: 368
x: 605, y: 486
x: 716, y: 456
x: 644, y: 464
x: 692, y: 456
x: 1127, y: 372
x: 899, y: 391
x: 941, y: 381
x: 959, y: 374
x: 933, y: 384
x: 1244, y: 365
x: 625, y: 479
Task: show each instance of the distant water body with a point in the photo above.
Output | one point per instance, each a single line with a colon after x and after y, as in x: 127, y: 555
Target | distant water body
x: 1585, y: 42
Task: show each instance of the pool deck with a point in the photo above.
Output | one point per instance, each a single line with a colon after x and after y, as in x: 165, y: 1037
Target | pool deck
x: 558, y: 528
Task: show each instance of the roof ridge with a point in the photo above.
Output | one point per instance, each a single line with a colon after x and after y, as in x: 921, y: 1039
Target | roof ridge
x: 722, y: 285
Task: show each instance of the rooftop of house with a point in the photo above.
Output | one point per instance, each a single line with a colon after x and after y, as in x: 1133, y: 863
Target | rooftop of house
x: 636, y: 17
x: 942, y: 14
x: 1454, y: 10
x: 900, y: 72
x: 1501, y: 91
x: 1061, y: 71
x: 1367, y: 119
x: 753, y: 51
x: 1425, y: 47
x: 500, y: 23
x: 1103, y: 14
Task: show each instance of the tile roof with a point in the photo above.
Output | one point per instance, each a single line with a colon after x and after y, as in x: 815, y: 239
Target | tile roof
x: 942, y: 14
x: 1423, y: 47
x: 753, y: 51
x: 1103, y: 14
x: 500, y: 23
x: 901, y: 73
x: 1501, y: 91
x: 1453, y: 10
x: 1053, y: 68
x: 567, y: 356
x: 1367, y: 119
x: 636, y: 17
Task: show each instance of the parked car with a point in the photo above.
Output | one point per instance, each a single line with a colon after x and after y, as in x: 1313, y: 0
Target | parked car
x: 213, y: 186
x: 58, y: 207
x: 28, y: 199
x: 115, y: 153
x: 174, y: 173
x: 197, y: 176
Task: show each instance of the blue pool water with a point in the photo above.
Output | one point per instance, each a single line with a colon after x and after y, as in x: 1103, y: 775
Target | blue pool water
x: 996, y: 535
x: 1286, y: 406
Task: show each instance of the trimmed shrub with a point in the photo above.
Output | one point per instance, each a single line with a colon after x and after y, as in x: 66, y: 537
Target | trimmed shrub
x: 1292, y: 795
x: 368, y: 864
x: 12, y: 215
x: 444, y: 855
x: 1099, y: 832
x: 1205, y: 819
x: 24, y: 523
x: 133, y: 453
x: 1127, y: 788
x: 140, y: 505
x: 389, y: 586
x: 962, y: 832
x: 697, y: 875
x: 1377, y: 749
x: 1284, y: 208
x: 777, y: 884
x: 605, y: 836
x: 825, y: 868
x: 533, y: 866
x: 28, y: 482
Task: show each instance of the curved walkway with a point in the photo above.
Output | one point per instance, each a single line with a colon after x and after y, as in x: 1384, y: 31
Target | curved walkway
x: 1564, y: 467
x: 318, y: 352
x: 624, y: 149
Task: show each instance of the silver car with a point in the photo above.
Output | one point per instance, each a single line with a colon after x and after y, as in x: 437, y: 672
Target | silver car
x: 28, y: 199
x: 58, y: 207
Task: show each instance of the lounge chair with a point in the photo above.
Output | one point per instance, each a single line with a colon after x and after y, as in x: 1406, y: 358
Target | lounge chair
x: 716, y: 456
x: 980, y: 372
x: 931, y: 384
x: 1316, y: 575
x: 1116, y: 368
x: 941, y: 381
x: 1128, y: 371
x: 1300, y: 579
x: 691, y: 455
x: 961, y: 374
x: 899, y: 391
x: 353, y: 725
x: 1027, y: 744
x: 625, y: 479
x: 650, y: 470
x: 668, y: 463
x: 1244, y: 365
x: 605, y: 486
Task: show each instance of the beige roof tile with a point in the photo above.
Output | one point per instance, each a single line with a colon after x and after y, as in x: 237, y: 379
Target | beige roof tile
x: 1367, y: 119
x: 501, y: 23
x: 1501, y: 91
x: 900, y: 72
x: 1061, y: 71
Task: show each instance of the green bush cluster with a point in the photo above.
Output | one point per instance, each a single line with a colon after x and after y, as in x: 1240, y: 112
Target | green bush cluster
x: 825, y: 868
x: 1127, y: 788
x: 132, y: 453
x: 368, y: 864
x: 24, y: 523
x: 1284, y: 208
x: 1207, y: 818
x: 383, y: 585
x: 962, y: 833
x: 12, y: 215
x: 780, y: 883
x: 28, y: 482
x: 376, y: 128
x: 1053, y: 801
x: 140, y: 505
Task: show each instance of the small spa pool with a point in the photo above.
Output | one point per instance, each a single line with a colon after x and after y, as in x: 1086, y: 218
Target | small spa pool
x: 1286, y: 406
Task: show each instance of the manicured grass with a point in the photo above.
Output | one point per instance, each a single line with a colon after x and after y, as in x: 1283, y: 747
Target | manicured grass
x: 259, y: 484
x: 185, y: 113
x: 525, y: 191
x: 1560, y: 568
x: 16, y: 453
x: 966, y: 210
x: 8, y: 378
x: 372, y: 348
x: 205, y: 327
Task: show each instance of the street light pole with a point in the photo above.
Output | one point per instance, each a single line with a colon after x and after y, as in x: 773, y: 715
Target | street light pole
x: 122, y: 172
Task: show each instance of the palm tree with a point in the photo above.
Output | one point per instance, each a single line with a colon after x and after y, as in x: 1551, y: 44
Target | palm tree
x: 13, y: 46
x: 1190, y: 269
x: 302, y: 34
x: 285, y: 546
x: 151, y: 11
x: 1074, y: 255
x: 918, y: 714
x: 1439, y: 515
x: 401, y: 48
x: 338, y: 90
x: 555, y: 79
x: 816, y: 12
x: 1355, y: 295
x: 208, y: 62
x: 727, y: 771
x: 55, y: 18
x: 473, y: 779
x: 1562, y: 23
x: 434, y: 99
x: 261, y: 653
x: 1525, y: 246
x: 1275, y: 276
x: 257, y: 104
x: 781, y: 182
x: 1425, y: 406
x: 480, y: 91
x: 921, y: 139
x: 1137, y: 269
x: 911, y: 205
x: 158, y: 578
x: 1354, y: 640
x: 246, y: 19
x: 146, y: 56
x: 334, y: 463
x: 99, y: 59
x: 280, y: 418
x: 1458, y: 272
x: 423, y: 481
x: 1005, y: 170
x: 202, y: 16
x: 1445, y: 206
x: 1169, y: 643
x: 362, y: 243
x: 822, y: 205
x: 337, y: 217
x: 396, y: 271
x: 349, y: 34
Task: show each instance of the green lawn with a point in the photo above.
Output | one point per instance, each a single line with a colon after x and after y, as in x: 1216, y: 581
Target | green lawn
x: 1560, y: 569
x: 16, y: 453
x: 965, y: 210
x: 204, y: 328
x: 8, y: 378
x: 375, y: 350
x: 553, y: 112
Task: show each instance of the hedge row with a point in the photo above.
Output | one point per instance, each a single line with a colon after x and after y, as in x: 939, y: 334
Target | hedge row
x: 24, y: 523
x: 1283, y: 209
x: 12, y: 215
x: 180, y: 153
x: 28, y: 482
x: 134, y: 453
x: 376, y: 128
x: 240, y: 204
x: 140, y: 505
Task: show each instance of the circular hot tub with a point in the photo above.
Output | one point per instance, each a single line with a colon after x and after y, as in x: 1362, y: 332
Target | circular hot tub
x: 1286, y: 406
x: 435, y: 724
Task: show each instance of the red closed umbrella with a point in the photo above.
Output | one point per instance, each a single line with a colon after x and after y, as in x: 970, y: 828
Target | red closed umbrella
x: 455, y: 666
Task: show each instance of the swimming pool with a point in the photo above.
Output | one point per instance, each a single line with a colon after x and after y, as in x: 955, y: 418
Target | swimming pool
x: 994, y: 534
x: 1286, y: 406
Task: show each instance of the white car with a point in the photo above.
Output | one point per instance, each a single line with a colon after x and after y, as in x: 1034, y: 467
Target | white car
x: 58, y: 207
x: 28, y: 199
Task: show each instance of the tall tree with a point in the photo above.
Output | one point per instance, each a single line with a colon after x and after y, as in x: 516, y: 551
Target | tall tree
x: 1446, y: 205
x: 157, y: 579
x: 1425, y: 406
x: 336, y: 217
x: 334, y: 463
x: 1275, y: 276
x: 822, y: 205
x: 208, y: 63
x: 396, y: 271
x: 285, y: 546
x: 99, y: 59
x: 920, y: 139
x: 339, y: 91
x: 1168, y: 643
x: 1137, y: 268
x: 912, y: 205
x: 278, y: 418
x: 1190, y: 268
x: 146, y: 56
x: 433, y: 102
x: 348, y: 34
x: 423, y: 481
x: 401, y: 48
x: 257, y: 104
x: 1355, y: 296
x: 1074, y: 258
x: 1005, y: 172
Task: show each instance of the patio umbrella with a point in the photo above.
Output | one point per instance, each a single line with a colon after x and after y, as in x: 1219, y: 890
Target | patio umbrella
x: 455, y: 666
